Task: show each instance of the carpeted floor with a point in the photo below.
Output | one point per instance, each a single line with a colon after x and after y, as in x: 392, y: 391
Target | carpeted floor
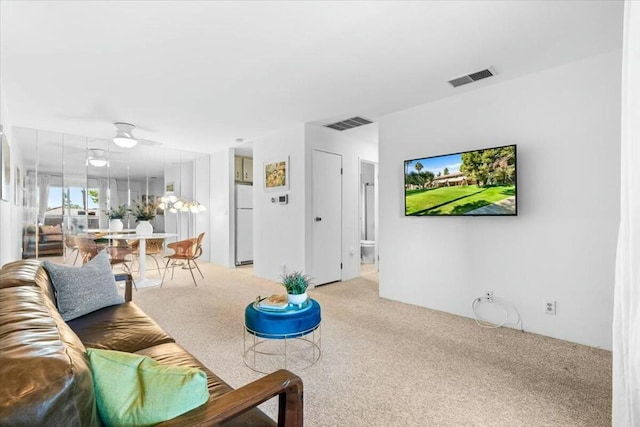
x: 386, y: 363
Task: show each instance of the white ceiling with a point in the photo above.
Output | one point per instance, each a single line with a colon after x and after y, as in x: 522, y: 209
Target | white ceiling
x: 197, y: 75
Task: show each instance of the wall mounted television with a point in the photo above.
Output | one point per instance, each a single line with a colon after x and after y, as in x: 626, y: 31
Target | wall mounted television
x: 472, y: 183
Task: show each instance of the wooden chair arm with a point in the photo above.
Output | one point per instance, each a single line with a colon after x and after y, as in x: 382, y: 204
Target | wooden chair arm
x: 183, y: 244
x: 182, y: 247
x: 282, y: 383
x: 198, y: 252
x: 128, y: 291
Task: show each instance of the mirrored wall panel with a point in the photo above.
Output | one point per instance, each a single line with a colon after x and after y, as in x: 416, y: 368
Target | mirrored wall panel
x: 79, y: 187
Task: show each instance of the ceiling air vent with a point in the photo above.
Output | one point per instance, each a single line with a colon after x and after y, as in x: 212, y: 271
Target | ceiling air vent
x: 351, y: 123
x: 473, y: 77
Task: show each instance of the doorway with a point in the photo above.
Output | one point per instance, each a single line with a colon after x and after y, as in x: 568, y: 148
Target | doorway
x: 327, y: 217
x: 368, y: 216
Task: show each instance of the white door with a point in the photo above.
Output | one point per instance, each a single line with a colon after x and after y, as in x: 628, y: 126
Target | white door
x: 327, y: 217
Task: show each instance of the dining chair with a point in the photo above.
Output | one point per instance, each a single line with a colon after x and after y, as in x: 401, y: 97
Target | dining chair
x: 70, y: 246
x: 153, y: 247
x: 121, y: 253
x: 88, y: 248
x: 185, y: 250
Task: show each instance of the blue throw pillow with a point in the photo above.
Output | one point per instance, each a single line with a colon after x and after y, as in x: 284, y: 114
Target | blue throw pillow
x: 82, y: 290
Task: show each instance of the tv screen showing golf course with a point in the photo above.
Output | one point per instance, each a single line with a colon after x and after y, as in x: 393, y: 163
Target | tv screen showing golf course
x: 474, y: 183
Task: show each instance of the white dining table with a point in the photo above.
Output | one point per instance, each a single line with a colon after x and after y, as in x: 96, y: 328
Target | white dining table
x: 142, y: 281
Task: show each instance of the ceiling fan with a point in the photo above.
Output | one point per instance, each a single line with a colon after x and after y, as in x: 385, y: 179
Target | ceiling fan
x: 124, y: 135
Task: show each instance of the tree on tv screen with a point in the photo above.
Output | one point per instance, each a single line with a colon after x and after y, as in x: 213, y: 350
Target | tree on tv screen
x: 495, y: 166
x: 420, y: 179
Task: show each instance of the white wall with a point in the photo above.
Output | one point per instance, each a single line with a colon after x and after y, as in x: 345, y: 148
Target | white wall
x: 10, y: 214
x: 220, y: 207
x: 353, y: 145
x: 561, y: 246
x: 279, y: 230
x: 202, y: 193
x: 282, y: 233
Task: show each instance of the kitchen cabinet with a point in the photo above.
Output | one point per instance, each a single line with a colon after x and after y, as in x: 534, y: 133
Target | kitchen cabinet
x: 243, y: 169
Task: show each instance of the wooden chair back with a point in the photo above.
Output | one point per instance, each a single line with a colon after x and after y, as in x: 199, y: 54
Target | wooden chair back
x: 152, y: 246
x: 88, y: 248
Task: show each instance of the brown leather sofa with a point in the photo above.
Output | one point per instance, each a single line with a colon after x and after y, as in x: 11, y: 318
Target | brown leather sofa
x: 45, y: 378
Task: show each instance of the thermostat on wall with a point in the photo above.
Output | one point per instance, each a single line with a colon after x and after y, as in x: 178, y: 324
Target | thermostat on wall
x: 281, y: 200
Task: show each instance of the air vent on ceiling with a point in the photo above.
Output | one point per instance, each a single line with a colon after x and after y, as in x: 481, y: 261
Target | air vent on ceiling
x: 351, y: 123
x: 473, y: 77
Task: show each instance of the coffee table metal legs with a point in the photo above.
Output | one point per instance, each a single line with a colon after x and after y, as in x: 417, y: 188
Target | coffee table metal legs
x: 260, y: 349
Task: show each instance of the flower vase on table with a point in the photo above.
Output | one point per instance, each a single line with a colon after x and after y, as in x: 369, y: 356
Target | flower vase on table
x: 115, y: 217
x: 115, y: 225
x: 144, y: 228
x: 296, y: 285
x: 144, y: 213
x: 297, y: 299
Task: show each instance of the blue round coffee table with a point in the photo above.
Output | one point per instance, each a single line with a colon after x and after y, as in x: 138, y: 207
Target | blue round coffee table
x: 280, y: 337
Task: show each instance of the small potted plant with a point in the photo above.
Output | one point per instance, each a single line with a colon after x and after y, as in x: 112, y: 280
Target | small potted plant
x: 296, y: 285
x: 115, y: 217
x: 144, y: 212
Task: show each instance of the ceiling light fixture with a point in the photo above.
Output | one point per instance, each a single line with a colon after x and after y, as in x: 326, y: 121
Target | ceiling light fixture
x: 124, y: 137
x: 97, y: 158
x: 177, y: 204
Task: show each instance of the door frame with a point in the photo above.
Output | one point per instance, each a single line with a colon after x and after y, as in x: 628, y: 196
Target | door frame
x: 375, y: 208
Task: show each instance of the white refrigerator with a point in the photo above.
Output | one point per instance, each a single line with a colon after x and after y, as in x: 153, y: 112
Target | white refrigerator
x: 244, y: 224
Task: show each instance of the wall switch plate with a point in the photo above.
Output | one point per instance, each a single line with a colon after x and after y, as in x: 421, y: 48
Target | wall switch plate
x: 550, y: 307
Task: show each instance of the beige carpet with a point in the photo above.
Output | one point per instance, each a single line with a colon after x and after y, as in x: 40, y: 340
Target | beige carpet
x: 386, y: 363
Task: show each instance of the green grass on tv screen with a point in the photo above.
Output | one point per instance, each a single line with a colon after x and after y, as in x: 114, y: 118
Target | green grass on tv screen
x: 462, y: 200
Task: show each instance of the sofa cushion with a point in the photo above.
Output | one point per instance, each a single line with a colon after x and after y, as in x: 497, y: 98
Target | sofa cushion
x: 45, y: 378
x: 82, y: 290
x: 134, y: 390
x: 123, y: 327
x: 174, y: 354
x: 51, y: 233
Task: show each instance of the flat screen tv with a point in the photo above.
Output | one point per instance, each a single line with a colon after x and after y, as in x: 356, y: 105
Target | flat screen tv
x: 473, y: 183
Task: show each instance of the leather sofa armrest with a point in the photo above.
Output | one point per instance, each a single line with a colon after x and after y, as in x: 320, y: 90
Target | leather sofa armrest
x: 282, y: 383
x: 128, y: 279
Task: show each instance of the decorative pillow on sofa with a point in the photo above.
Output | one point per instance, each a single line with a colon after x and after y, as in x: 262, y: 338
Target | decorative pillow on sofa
x: 51, y: 233
x: 134, y: 390
x: 82, y: 290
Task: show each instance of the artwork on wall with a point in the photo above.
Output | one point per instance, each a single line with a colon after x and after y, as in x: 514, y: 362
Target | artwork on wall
x: 169, y: 187
x: 5, y: 160
x: 276, y: 175
x: 17, y: 190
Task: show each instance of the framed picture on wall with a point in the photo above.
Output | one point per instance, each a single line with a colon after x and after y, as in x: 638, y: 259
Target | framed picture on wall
x: 276, y: 175
x: 5, y: 163
x: 169, y: 187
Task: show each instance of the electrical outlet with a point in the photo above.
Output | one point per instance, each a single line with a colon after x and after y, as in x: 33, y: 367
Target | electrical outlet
x: 550, y: 307
x: 488, y: 296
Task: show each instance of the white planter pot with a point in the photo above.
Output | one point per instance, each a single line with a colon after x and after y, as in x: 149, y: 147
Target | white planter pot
x: 144, y: 228
x: 116, y: 225
x: 297, y: 299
